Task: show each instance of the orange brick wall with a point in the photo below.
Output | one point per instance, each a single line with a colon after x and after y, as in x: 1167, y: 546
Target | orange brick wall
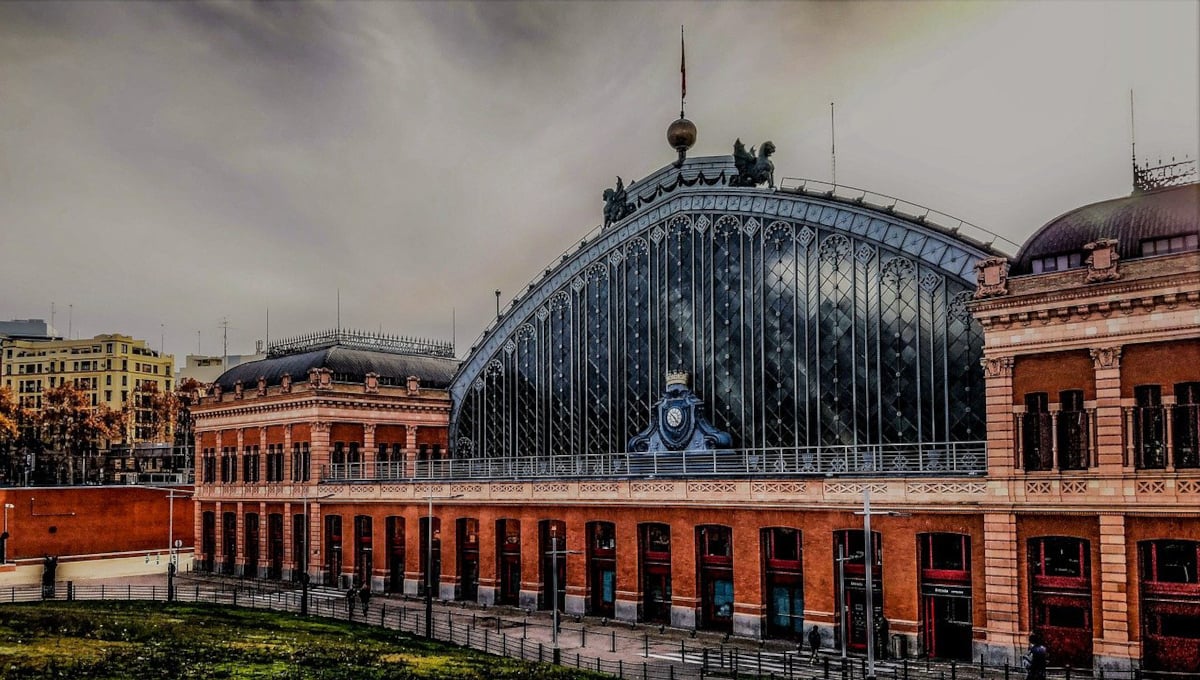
x: 1053, y: 373
x: 92, y: 520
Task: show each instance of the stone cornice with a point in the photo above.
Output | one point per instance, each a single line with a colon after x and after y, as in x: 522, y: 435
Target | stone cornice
x: 319, y: 400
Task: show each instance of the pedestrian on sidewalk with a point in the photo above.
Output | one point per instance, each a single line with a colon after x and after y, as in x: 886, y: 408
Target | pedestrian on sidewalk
x: 814, y: 643
x: 364, y: 596
x: 1035, y: 659
x: 351, y: 596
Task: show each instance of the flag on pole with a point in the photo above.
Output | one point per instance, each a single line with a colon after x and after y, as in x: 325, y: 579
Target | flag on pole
x: 682, y: 68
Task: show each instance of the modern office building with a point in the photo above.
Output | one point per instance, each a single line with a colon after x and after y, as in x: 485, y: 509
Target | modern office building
x: 680, y: 421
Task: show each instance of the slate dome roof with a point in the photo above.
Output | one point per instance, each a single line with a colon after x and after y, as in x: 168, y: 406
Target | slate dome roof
x: 1130, y: 220
x: 350, y: 356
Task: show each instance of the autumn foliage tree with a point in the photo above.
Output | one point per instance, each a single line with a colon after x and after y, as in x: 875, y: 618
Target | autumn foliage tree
x: 12, y: 419
x: 72, y: 430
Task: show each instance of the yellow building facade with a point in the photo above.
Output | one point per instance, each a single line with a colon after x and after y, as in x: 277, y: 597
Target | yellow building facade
x: 108, y: 368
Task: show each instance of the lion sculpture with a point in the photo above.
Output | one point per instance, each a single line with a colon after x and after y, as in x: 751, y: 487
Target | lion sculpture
x: 752, y: 169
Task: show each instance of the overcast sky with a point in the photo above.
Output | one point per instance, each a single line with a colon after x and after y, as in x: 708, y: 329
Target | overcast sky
x: 167, y: 165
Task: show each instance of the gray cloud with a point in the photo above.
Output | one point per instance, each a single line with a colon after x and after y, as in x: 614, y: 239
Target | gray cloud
x: 177, y: 163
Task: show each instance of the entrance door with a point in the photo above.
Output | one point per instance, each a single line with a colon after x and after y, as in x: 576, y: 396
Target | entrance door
x: 657, y: 595
x: 1060, y: 597
x: 602, y: 568
x: 654, y: 556
x: 250, y: 569
x: 333, y: 550
x: 208, y: 541
x: 275, y: 546
x: 468, y: 558
x: 508, y: 549
x: 947, y: 627
x: 395, y: 552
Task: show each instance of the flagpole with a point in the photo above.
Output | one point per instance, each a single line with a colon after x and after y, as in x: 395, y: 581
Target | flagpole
x: 682, y: 72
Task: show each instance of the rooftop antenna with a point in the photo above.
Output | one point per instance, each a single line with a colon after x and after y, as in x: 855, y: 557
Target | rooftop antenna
x: 453, y: 336
x: 1132, y: 141
x: 832, y: 144
x: 52, y: 314
x: 339, y: 309
x: 224, y: 325
x: 70, y: 321
x: 162, y: 337
x: 198, y: 352
x: 267, y: 332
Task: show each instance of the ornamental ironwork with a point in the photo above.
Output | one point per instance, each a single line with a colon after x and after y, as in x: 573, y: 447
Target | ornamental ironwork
x: 365, y: 340
x: 789, y: 346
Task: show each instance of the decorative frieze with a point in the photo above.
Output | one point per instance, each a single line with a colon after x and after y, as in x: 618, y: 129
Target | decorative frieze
x: 1037, y: 488
x: 507, y: 488
x: 652, y: 487
x: 946, y: 488
x: 855, y: 488
x: 1074, y: 486
x: 542, y: 488
x: 1151, y: 487
x: 466, y: 489
x: 778, y: 488
x: 597, y: 488
x: 704, y: 488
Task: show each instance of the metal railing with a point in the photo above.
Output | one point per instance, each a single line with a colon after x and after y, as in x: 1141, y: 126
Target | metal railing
x: 901, y: 208
x: 623, y: 650
x: 901, y: 460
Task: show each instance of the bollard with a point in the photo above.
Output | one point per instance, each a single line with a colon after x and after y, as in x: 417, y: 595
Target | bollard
x: 682, y: 651
x: 703, y: 660
x: 645, y: 672
x: 620, y: 668
x: 235, y: 597
x: 70, y: 591
x: 953, y: 670
x: 906, y: 668
x: 612, y: 642
x: 760, y: 662
x: 864, y: 667
x: 583, y: 636
x: 539, y: 652
x: 826, y: 676
x: 1006, y: 669
x: 671, y: 672
x: 646, y: 646
x: 1068, y: 673
x: 980, y: 667
x: 525, y: 628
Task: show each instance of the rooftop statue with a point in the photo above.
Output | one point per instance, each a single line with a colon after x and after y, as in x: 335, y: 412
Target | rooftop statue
x: 616, y: 207
x: 753, y: 170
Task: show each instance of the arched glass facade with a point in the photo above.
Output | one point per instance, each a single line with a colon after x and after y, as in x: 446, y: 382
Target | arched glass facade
x: 803, y: 322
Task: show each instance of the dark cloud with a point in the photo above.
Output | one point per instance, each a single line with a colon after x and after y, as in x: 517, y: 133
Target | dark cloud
x: 178, y: 163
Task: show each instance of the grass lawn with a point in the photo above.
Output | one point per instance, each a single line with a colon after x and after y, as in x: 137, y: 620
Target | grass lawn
x: 132, y: 640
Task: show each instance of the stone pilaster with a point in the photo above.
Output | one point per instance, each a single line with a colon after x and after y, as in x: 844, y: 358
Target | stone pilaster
x: 319, y: 449
x: 368, y: 452
x: 289, y: 564
x: 1109, y: 440
x: 1112, y: 647
x: 239, y: 562
x: 410, y: 451
x: 264, y: 528
x: 218, y: 537
x: 1001, y: 585
x: 998, y: 376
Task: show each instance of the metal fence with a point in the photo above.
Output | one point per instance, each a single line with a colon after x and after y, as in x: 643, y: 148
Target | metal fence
x: 926, y: 459
x: 618, y: 649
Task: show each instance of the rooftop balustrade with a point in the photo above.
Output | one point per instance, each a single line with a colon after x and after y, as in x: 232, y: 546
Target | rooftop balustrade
x: 940, y: 459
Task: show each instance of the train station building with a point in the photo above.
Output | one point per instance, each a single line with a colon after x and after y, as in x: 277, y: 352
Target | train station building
x: 679, y: 421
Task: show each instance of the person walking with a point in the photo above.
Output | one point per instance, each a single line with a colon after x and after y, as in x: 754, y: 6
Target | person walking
x: 364, y: 596
x: 1035, y: 660
x: 814, y: 643
x: 351, y: 596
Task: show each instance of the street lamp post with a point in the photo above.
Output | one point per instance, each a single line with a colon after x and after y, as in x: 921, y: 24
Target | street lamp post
x: 171, y: 496
x: 429, y: 562
x: 304, y: 566
x: 555, y: 551
x: 869, y: 586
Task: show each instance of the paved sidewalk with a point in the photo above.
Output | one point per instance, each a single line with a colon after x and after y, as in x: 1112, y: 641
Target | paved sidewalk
x: 633, y: 650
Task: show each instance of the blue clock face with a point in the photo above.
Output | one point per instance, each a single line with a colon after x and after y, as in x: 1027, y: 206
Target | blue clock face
x: 674, y: 417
